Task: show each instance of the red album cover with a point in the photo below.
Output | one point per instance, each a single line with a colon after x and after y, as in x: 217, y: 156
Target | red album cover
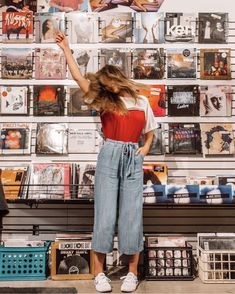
x: 17, y: 27
x: 156, y: 97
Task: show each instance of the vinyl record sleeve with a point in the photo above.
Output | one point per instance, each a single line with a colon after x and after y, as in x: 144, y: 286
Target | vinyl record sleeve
x: 86, y: 180
x: 62, y: 6
x: 146, y: 5
x: 98, y: 6
x: 216, y: 194
x: 81, y: 140
x: 156, y: 173
x: 157, y: 146
x: 16, y: 6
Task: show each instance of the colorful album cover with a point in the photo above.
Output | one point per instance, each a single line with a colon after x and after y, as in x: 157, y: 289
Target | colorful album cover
x: 146, y: 5
x: 181, y: 63
x: 115, y: 27
x: 157, y: 146
x: 47, y: 26
x: 183, y: 194
x: 17, y: 27
x: 76, y: 104
x: 50, y: 64
x: 17, y: 63
x: 149, y: 28
x: 183, y: 100
x: 15, y: 138
x: 81, y: 139
x: 216, y: 100
x: 14, y: 100
x: 148, y: 63
x: 86, y: 180
x: 156, y: 173
x: 52, y: 138
x: 101, y: 5
x: 12, y: 178
x: 156, y: 95
x: 82, y: 27
x: 227, y: 180
x: 18, y: 6
x: 48, y: 100
x: 216, y: 194
x: 87, y: 60
x: 53, y: 6
x: 213, y: 28
x: 215, y: 64
x: 118, y: 57
x: 180, y: 27
x: 217, y: 139
x: 184, y: 138
x: 49, y: 181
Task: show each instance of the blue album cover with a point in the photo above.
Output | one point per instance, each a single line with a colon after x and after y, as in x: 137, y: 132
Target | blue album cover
x: 154, y: 193
x: 182, y: 194
x: 216, y: 194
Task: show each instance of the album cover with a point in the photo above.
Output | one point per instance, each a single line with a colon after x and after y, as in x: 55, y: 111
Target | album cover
x: 53, y: 6
x: 213, y: 28
x: 82, y: 27
x: 146, y: 5
x: 17, y: 27
x: 181, y: 63
x: 81, y: 139
x: 52, y: 138
x: 217, y: 139
x: 49, y: 181
x: 148, y: 63
x: 216, y: 100
x: 216, y: 194
x: 15, y: 138
x: 149, y: 28
x: 157, y: 146
x: 47, y: 26
x: 86, y: 180
x: 180, y: 27
x: 184, y: 138
x: 163, y: 241
x: 183, y: 100
x: 18, y: 6
x: 215, y: 64
x: 194, y: 180
x: 154, y: 193
x: 49, y: 64
x: 14, y: 100
x: 87, y: 60
x: 118, y: 57
x: 17, y: 63
x: 156, y: 173
x: 227, y: 180
x: 14, y: 176
x: 183, y: 194
x: 76, y: 104
x: 101, y: 5
x: 177, y: 181
x: 48, y: 100
x: 115, y: 27
x: 156, y: 95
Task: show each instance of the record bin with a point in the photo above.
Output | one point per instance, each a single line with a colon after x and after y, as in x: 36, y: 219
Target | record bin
x: 24, y: 263
x: 169, y: 263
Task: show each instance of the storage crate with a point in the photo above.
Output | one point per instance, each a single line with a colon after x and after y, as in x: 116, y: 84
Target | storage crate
x: 23, y: 263
x: 216, y: 266
x: 169, y: 263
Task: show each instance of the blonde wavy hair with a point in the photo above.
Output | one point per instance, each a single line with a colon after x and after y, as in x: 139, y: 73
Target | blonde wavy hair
x: 102, y: 98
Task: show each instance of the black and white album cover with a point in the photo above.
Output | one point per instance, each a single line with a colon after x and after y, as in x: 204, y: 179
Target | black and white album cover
x: 149, y: 28
x: 52, y: 138
x: 158, y: 145
x: 183, y: 100
x: 14, y: 100
x: 184, y: 138
x: 86, y: 180
x: 216, y: 100
x: 213, y: 28
x: 181, y: 63
x: 148, y: 63
x: 49, y: 100
x: 82, y: 27
x: 118, y: 57
x: 180, y: 27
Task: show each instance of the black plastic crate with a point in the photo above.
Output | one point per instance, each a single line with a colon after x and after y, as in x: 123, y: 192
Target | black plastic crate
x: 169, y: 263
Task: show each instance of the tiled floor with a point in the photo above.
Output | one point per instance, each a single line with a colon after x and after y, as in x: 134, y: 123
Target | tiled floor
x: 163, y: 287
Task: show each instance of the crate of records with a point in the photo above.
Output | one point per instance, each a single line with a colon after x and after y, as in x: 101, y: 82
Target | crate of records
x: 72, y: 257
x: 168, y: 258
x: 216, y: 257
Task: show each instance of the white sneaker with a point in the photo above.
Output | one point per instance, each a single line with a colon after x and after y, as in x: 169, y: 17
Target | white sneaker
x: 130, y: 283
x: 102, y: 283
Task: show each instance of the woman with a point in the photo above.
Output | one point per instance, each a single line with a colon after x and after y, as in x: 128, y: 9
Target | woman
x: 49, y: 32
x: 119, y: 175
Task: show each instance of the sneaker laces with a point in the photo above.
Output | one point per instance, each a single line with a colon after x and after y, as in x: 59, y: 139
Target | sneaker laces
x: 102, y: 278
x: 128, y: 278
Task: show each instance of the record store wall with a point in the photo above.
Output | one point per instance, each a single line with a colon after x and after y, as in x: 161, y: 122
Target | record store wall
x: 50, y: 218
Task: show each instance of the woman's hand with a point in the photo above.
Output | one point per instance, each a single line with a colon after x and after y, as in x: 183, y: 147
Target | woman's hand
x: 62, y: 41
x: 143, y: 150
